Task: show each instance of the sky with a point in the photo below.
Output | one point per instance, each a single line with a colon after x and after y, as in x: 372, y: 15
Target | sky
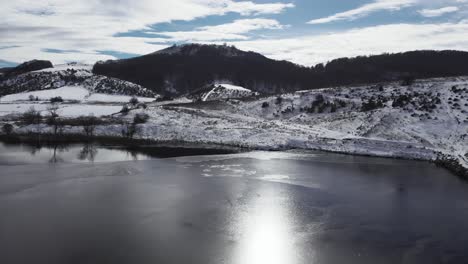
x: 305, y: 32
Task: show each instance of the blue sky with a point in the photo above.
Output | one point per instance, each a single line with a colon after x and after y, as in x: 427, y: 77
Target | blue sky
x: 303, y: 31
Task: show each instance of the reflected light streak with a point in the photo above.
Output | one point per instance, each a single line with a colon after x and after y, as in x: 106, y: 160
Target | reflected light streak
x: 267, y: 230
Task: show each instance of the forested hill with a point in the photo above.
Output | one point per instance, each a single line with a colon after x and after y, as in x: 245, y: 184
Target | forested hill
x: 181, y: 69
x: 25, y: 67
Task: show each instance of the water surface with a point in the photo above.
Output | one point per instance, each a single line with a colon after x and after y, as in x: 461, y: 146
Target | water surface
x: 245, y: 208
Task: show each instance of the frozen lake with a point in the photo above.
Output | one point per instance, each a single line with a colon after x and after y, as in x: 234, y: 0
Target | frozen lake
x: 65, y: 205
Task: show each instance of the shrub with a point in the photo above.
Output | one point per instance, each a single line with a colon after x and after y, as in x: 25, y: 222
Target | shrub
x: 372, y: 104
x: 319, y: 98
x: 279, y: 100
x: 143, y: 106
x: 140, y: 118
x: 265, y: 105
x: 133, y: 101
x: 164, y: 98
x: 7, y: 129
x: 31, y: 116
x: 57, y: 99
x: 342, y: 103
x: 401, y: 101
x: 408, y: 80
x: 125, y: 110
x: 31, y: 97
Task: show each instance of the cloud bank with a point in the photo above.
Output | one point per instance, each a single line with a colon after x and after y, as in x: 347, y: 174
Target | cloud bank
x: 91, y: 30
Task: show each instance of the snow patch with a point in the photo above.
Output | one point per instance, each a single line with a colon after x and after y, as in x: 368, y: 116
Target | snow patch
x: 75, y: 93
x: 68, y: 66
x: 67, y: 93
x: 110, y: 98
x: 227, y: 91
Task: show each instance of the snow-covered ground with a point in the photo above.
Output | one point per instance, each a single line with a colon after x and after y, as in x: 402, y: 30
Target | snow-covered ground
x: 67, y: 93
x: 72, y: 93
x: 68, y: 66
x: 66, y: 110
x: 417, y: 121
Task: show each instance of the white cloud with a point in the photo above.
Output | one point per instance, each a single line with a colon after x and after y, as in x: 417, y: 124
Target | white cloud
x: 378, y: 5
x: 244, y: 25
x: 309, y: 50
x: 88, y: 26
x: 84, y: 28
x: 248, y: 8
x: 229, y: 31
x: 439, y: 11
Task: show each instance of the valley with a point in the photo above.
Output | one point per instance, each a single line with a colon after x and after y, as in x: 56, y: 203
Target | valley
x: 425, y: 120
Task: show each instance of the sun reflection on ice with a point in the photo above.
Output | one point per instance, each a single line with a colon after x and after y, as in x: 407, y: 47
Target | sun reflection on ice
x: 267, y: 230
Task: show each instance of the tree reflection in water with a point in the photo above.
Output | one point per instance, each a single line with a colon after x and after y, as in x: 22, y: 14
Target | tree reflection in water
x: 88, y: 152
x: 57, y: 148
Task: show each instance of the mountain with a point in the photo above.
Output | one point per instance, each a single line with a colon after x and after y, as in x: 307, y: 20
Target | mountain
x: 25, y: 67
x: 71, y: 74
x: 183, y: 69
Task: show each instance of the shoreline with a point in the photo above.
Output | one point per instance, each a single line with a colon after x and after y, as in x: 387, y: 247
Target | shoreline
x: 212, y: 148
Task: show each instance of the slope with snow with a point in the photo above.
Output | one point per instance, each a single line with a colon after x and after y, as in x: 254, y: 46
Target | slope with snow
x: 227, y: 91
x: 72, y: 74
x: 71, y: 93
x: 417, y: 121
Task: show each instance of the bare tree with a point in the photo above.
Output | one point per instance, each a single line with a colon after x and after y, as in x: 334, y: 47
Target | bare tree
x: 89, y: 124
x: 53, y: 119
x: 31, y: 116
x: 129, y: 129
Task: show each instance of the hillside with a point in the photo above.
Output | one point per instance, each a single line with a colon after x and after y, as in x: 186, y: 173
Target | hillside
x: 69, y: 75
x: 25, y: 67
x: 419, y: 121
x: 180, y: 70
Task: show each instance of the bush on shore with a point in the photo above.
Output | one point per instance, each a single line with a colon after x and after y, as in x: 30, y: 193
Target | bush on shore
x: 31, y: 117
x: 7, y: 129
x: 140, y: 118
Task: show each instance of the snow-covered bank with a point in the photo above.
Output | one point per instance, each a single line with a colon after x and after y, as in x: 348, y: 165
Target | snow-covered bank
x: 415, y: 122
x: 70, y: 93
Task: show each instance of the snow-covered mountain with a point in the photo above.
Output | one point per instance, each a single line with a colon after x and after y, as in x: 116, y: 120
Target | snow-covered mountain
x: 70, y: 75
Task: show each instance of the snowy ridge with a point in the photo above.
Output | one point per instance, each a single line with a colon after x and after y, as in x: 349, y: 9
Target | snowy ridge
x: 193, y: 49
x: 71, y: 75
x: 72, y: 66
x: 227, y: 91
